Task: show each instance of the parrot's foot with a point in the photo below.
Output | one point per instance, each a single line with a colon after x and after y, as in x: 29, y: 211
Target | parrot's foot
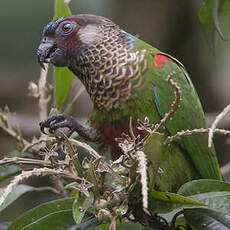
x: 56, y: 121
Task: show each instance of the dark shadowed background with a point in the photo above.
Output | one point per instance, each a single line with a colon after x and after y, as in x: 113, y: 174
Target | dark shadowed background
x: 171, y: 26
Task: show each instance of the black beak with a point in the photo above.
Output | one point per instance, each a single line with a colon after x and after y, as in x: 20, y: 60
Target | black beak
x: 44, y: 51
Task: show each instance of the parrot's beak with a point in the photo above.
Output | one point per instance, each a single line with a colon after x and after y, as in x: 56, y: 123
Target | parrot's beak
x: 45, y: 50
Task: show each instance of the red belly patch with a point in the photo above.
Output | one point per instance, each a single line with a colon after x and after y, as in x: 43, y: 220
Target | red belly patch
x: 114, y: 130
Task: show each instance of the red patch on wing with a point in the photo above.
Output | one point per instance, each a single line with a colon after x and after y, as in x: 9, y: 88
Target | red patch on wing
x: 158, y: 60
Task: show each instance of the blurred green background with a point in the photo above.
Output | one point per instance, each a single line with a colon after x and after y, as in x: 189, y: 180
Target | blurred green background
x: 172, y: 26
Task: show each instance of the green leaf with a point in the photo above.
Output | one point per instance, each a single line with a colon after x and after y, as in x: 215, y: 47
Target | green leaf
x: 122, y: 225
x: 61, y: 9
x: 55, y: 215
x: 216, y: 200
x: 70, y: 185
x: 207, y: 219
x: 72, y: 152
x: 62, y: 75
x: 129, y: 225
x: 203, y: 186
x: 214, y: 193
x: 55, y: 221
x: 7, y: 171
x: 88, y: 223
x: 165, y: 202
x: 154, y: 141
x: 209, y: 18
x: 81, y: 205
x: 63, y: 78
x: 15, y: 194
x: 16, y: 153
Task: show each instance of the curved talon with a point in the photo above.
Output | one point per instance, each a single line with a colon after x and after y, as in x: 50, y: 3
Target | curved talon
x: 43, y: 131
x: 56, y: 121
x: 70, y: 132
x: 61, y: 124
x: 42, y: 125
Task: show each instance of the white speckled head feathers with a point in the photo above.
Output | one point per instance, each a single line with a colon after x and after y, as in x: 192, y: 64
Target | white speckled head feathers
x: 90, y: 34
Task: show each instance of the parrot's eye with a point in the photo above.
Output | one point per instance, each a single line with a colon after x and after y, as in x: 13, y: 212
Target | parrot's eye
x: 67, y: 27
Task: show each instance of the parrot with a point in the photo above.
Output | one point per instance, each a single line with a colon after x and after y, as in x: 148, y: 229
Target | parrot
x: 126, y: 77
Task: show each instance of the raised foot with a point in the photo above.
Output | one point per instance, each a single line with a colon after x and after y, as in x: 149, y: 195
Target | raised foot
x: 56, y: 121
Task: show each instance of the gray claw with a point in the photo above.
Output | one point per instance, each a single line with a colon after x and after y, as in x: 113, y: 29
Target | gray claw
x: 43, y: 125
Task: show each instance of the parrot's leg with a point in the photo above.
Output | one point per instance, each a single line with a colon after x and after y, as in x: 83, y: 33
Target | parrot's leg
x: 56, y: 121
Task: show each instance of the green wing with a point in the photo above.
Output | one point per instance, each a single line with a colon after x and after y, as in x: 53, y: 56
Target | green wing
x: 190, y: 115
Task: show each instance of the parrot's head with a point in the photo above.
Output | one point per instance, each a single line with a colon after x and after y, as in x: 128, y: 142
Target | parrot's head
x: 63, y: 39
x: 97, y: 51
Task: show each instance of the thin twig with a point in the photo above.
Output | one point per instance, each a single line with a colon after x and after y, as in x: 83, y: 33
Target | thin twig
x: 45, y: 188
x: 13, y: 129
x: 174, y: 106
x: 87, y: 147
x: 131, y: 128
x: 18, y: 130
x: 42, y: 93
x: 27, y: 161
x: 194, y: 131
x: 59, y: 186
x: 37, y: 142
x: 34, y: 172
x: 12, y: 133
x: 70, y: 104
x: 215, y: 123
x: 18, y: 138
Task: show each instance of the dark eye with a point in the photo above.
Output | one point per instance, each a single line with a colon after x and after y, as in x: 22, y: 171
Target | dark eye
x: 67, y: 27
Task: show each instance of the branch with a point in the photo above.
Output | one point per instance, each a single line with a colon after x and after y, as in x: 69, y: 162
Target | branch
x: 37, y: 142
x: 45, y: 188
x: 194, y: 131
x: 174, y: 106
x: 87, y: 147
x: 70, y: 104
x: 215, y: 123
x: 27, y: 161
x: 42, y: 93
x: 11, y: 132
x: 34, y: 172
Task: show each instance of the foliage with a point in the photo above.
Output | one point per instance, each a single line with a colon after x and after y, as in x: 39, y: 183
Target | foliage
x: 209, y: 18
x: 62, y: 76
x: 102, y: 195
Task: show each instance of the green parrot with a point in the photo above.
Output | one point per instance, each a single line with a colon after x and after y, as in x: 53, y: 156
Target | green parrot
x: 126, y: 77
